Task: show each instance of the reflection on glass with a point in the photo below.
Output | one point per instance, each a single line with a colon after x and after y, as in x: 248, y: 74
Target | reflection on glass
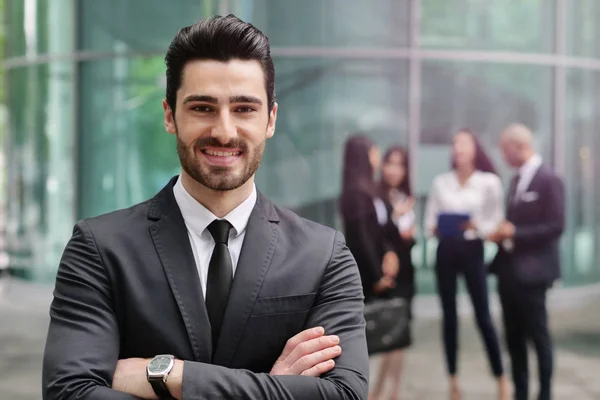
x: 485, y: 98
x: 137, y: 25
x: 31, y: 26
x: 582, y: 28
x: 40, y: 167
x: 320, y: 103
x: 582, y: 121
x: 128, y: 155
x: 330, y: 23
x: 488, y: 25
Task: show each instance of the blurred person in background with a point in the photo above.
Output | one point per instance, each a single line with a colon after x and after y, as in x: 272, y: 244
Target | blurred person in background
x: 365, y: 229
x: 528, y: 259
x: 396, y: 215
x: 209, y: 290
x: 473, y: 188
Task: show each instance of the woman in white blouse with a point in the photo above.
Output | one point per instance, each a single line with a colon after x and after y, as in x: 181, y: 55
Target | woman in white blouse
x: 472, y: 189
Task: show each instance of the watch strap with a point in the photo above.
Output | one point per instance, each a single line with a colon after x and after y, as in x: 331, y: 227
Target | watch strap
x: 160, y: 388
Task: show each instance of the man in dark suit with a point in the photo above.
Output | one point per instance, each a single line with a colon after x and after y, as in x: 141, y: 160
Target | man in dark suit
x: 208, y: 290
x: 528, y: 259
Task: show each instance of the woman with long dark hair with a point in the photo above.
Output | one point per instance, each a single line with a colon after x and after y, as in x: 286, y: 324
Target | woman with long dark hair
x: 398, y: 221
x: 364, y: 236
x: 471, y: 189
x: 364, y: 224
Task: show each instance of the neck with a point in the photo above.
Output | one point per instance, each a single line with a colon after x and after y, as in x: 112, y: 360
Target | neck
x: 218, y: 202
x: 527, y: 156
x: 464, y: 172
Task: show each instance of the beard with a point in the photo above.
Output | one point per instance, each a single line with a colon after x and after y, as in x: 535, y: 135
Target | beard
x: 216, y: 177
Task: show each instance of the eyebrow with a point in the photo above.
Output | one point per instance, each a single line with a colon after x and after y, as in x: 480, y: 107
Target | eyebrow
x: 214, y: 100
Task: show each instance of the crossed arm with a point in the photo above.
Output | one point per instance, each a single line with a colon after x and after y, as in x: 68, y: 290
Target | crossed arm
x: 82, y: 347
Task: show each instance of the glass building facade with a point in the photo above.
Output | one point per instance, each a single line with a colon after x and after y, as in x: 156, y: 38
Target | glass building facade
x: 85, y: 79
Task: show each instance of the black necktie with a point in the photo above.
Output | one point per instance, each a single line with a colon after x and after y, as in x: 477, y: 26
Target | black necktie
x: 513, y: 188
x: 220, y: 275
x: 511, y: 194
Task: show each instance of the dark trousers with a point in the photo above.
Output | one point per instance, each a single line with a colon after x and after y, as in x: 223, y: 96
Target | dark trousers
x: 454, y: 257
x: 526, y: 319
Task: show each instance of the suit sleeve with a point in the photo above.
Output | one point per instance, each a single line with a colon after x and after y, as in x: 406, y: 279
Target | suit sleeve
x: 339, y: 309
x: 553, y: 201
x: 82, y: 346
x: 361, y: 227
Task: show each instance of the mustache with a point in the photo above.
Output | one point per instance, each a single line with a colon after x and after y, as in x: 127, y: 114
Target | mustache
x: 214, y: 142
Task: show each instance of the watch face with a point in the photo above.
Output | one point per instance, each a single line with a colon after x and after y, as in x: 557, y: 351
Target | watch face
x: 159, y: 364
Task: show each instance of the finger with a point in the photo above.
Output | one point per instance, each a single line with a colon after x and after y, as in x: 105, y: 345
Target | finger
x: 304, y: 336
x: 309, y: 347
x: 313, y: 359
x: 319, y: 369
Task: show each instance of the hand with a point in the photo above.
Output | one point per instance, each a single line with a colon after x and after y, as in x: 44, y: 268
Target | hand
x: 408, y: 234
x: 390, y: 264
x: 507, y: 230
x: 494, y: 237
x: 403, y: 207
x: 435, y: 231
x: 130, y: 377
x: 468, y: 225
x: 309, y: 353
x: 384, y: 285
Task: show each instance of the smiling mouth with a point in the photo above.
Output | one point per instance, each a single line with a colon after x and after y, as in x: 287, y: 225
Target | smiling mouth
x: 221, y: 153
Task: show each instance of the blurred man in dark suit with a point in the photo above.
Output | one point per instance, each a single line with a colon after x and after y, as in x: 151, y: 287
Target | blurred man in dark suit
x: 527, y: 263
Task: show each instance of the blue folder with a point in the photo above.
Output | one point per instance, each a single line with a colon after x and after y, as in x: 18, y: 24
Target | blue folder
x: 449, y: 224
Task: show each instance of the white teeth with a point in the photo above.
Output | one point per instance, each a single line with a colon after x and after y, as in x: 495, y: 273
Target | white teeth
x: 220, y: 153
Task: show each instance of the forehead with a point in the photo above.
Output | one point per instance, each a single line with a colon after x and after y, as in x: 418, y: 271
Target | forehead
x: 395, y: 157
x: 223, y: 79
x: 463, y: 137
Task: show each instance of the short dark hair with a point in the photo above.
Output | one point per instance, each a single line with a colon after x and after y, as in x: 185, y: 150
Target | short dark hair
x: 222, y: 39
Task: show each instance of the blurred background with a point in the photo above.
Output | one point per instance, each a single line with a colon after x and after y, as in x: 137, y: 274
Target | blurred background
x: 82, y: 133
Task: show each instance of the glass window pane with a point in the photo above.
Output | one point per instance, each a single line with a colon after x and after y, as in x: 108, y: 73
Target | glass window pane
x: 582, y: 122
x: 583, y: 30
x: 484, y: 98
x: 137, y: 25
x: 40, y: 176
x: 488, y: 25
x: 126, y: 156
x: 343, y: 23
x: 321, y: 101
x: 34, y: 27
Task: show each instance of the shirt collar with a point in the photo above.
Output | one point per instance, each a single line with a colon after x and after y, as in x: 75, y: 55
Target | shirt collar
x: 197, y: 217
x: 530, y: 165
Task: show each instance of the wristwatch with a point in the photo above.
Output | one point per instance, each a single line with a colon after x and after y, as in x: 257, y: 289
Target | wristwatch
x: 157, y: 373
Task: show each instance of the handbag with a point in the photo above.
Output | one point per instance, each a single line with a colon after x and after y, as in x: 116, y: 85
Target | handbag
x: 387, y: 324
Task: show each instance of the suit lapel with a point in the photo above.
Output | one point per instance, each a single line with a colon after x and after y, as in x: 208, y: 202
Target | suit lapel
x: 172, y: 244
x: 255, y: 259
x: 514, y: 204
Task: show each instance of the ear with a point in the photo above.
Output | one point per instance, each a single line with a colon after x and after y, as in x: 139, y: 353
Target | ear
x: 272, y: 120
x: 169, y: 118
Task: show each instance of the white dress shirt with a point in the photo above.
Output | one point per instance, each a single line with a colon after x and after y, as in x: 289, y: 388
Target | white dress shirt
x: 404, y: 222
x: 197, y: 218
x: 482, y: 196
x: 526, y: 173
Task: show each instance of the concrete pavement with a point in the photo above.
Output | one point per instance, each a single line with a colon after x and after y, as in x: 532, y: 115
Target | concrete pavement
x: 574, y: 318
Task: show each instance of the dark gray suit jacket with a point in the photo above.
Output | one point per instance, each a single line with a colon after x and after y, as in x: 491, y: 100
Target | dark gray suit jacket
x: 127, y: 286
x: 539, y: 222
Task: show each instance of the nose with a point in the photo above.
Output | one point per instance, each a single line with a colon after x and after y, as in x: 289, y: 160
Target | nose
x: 224, y: 129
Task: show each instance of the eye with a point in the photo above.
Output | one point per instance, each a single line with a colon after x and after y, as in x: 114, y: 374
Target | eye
x: 202, y: 109
x: 244, y: 109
